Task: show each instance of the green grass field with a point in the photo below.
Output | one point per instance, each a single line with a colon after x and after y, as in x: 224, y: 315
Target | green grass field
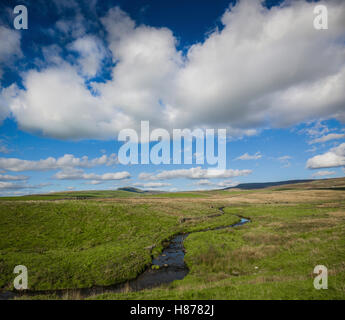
x: 107, y: 239
x: 271, y: 258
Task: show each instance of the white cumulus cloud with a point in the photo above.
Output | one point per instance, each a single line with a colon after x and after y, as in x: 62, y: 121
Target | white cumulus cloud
x: 79, y: 174
x: 324, y: 173
x: 194, y: 173
x: 91, y: 54
x: 272, y: 69
x: 220, y: 184
x: 51, y: 163
x: 151, y: 184
x: 247, y: 156
x: 328, y: 137
x: 9, y: 49
x: 6, y: 177
x: 335, y: 157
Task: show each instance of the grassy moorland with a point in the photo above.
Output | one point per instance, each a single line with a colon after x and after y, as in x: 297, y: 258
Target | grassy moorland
x: 106, y: 239
x: 81, y: 243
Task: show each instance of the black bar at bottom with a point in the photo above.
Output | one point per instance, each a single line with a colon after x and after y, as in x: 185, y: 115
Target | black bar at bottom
x: 172, y: 309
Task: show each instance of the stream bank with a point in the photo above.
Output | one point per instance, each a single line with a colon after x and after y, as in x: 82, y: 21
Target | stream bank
x: 166, y: 268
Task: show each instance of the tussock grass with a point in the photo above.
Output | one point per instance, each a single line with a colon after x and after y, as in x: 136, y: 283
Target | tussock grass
x: 101, y: 241
x: 70, y: 244
x: 271, y: 258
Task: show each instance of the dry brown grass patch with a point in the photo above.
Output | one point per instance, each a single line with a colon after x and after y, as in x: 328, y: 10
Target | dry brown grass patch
x: 338, y: 214
x: 265, y: 238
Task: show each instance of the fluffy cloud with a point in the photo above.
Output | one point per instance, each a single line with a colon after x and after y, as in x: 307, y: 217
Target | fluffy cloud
x: 335, y: 157
x: 313, y: 149
x: 91, y: 54
x: 78, y: 174
x: 9, y: 49
x: 194, y: 173
x: 272, y: 69
x: 10, y: 186
x: 3, y: 147
x: 324, y: 173
x: 247, y: 156
x: 57, y: 103
x: 221, y: 184
x: 151, y: 185
x: 6, y: 177
x: 272, y: 66
x: 10, y: 43
x: 316, y: 129
x: 284, y: 158
x: 68, y: 160
x: 328, y: 137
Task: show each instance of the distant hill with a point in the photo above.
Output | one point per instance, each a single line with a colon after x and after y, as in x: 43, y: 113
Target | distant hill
x: 261, y: 185
x: 137, y: 190
x: 131, y: 189
x: 132, y: 192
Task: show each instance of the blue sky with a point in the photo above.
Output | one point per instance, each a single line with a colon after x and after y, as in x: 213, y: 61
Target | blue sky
x: 84, y: 70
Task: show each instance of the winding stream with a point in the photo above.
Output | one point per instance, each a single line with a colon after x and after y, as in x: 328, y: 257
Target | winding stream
x: 171, y: 267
